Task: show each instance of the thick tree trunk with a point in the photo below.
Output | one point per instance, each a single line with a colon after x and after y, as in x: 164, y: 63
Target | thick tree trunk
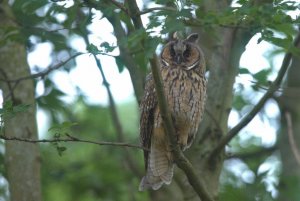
x: 289, y: 136
x: 22, y: 160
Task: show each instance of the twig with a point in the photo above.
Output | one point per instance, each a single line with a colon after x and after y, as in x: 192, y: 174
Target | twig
x: 149, y: 10
x: 290, y: 132
x: 115, y: 117
x: 119, y: 5
x: 112, y: 104
x: 113, y: 110
x: 193, y: 22
x: 246, y: 119
x: 43, y: 73
x: 72, y: 139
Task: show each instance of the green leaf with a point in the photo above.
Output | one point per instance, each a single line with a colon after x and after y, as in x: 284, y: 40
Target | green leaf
x: 119, y: 63
x: 30, y: 7
x: 239, y: 102
x: 107, y: 47
x: 244, y: 71
x: 281, y: 42
x: 62, y: 128
x: 261, y: 76
x: 60, y: 150
x: 93, y: 49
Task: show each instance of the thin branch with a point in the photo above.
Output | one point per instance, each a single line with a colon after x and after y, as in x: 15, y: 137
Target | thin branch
x: 253, y: 154
x: 98, y: 5
x: 113, y: 111
x: 112, y: 104
x: 246, y: 119
x: 193, y: 22
x: 181, y: 161
x: 43, y: 73
x: 119, y: 5
x: 73, y: 139
x: 290, y: 132
x: 149, y: 10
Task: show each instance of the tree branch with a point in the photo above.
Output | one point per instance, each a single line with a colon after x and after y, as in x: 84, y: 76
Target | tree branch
x: 137, y: 74
x: 181, y: 161
x: 43, y: 73
x: 116, y: 120
x: 291, y: 138
x: 113, y: 110
x: 112, y: 104
x: 253, y: 154
x: 149, y: 10
x: 73, y: 139
x: 246, y: 119
x: 119, y: 5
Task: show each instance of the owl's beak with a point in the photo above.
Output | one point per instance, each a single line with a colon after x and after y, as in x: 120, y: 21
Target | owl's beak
x: 179, y: 58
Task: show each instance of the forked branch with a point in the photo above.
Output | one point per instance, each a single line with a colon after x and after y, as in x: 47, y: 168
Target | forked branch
x: 247, y: 118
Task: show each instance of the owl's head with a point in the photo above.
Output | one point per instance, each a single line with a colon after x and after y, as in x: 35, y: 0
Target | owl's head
x: 183, y: 53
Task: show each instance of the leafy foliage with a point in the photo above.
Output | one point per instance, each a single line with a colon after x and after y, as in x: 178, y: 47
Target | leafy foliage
x: 86, y: 172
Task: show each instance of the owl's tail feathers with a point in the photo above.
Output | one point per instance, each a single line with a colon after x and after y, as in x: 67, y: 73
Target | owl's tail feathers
x: 159, y: 170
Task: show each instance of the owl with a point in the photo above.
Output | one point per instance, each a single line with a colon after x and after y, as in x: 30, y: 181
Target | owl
x: 182, y: 68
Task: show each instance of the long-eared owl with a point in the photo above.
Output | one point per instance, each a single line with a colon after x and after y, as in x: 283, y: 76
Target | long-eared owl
x: 182, y: 70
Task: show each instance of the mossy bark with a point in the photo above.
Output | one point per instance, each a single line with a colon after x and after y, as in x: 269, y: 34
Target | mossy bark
x: 22, y: 160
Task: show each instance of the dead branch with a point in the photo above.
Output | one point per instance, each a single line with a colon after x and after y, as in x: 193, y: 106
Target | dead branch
x: 70, y: 138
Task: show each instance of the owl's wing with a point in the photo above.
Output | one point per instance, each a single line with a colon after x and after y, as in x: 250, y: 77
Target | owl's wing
x: 147, y: 109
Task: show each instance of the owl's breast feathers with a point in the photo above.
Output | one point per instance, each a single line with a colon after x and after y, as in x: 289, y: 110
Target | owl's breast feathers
x: 185, y: 92
x: 185, y: 95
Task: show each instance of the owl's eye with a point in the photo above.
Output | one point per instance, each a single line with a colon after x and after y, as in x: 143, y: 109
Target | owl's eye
x: 172, y: 51
x: 187, y: 52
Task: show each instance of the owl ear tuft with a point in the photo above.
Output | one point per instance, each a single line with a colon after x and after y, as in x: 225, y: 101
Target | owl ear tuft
x: 174, y: 36
x: 193, y: 38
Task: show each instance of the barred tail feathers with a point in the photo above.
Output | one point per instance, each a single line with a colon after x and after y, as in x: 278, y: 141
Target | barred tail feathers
x: 159, y: 170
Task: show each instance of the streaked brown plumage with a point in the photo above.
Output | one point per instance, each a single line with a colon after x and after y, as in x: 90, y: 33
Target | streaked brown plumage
x: 182, y: 70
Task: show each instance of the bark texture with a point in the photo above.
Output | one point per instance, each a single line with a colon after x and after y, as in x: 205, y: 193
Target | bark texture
x: 22, y: 160
x: 223, y: 49
x: 289, y: 103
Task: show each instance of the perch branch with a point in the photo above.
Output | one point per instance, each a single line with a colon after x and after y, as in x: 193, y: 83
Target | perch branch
x: 181, y: 161
x: 72, y: 139
x: 247, y: 118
